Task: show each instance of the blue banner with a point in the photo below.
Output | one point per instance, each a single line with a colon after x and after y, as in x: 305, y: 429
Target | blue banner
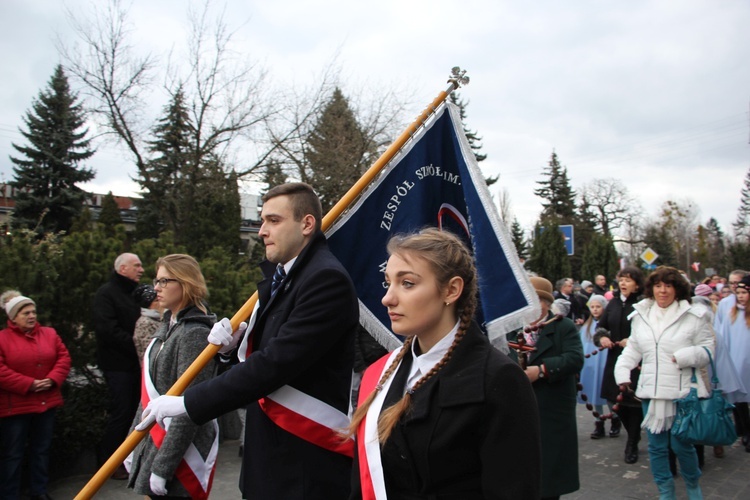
x: 434, y: 181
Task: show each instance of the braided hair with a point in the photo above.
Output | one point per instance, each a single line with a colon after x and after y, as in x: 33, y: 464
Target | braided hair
x: 447, y: 257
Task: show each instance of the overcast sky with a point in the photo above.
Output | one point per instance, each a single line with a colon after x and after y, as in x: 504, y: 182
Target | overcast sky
x: 655, y: 93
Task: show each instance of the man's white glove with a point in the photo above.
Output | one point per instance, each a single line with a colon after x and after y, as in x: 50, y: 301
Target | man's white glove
x: 221, y: 334
x: 159, y: 409
x: 158, y: 485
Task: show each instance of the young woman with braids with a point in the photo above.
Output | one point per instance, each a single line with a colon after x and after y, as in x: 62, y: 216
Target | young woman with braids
x: 446, y: 416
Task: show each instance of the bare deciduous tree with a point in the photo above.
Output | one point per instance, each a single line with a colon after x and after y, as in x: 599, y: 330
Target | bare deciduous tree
x: 503, y: 205
x: 611, y: 204
x: 114, y: 79
x: 225, y: 93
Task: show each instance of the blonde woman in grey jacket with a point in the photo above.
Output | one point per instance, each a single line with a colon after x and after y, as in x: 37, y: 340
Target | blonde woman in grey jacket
x: 668, y: 337
x: 178, y: 460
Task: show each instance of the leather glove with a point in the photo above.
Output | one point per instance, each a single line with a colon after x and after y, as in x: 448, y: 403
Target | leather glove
x: 158, y: 485
x: 221, y: 334
x: 159, y: 409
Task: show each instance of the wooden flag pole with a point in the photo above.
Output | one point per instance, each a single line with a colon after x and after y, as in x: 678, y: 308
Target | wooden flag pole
x: 457, y: 79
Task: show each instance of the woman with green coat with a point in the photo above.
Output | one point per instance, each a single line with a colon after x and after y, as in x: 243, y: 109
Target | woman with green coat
x: 552, y: 370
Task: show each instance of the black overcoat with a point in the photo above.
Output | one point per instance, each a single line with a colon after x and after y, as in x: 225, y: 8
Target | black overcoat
x: 303, y: 337
x: 472, y: 431
x: 615, y: 321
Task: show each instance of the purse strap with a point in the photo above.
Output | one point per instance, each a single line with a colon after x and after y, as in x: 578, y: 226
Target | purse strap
x: 714, y: 378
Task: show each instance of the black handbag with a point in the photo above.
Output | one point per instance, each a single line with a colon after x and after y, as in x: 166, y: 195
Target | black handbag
x: 704, y: 421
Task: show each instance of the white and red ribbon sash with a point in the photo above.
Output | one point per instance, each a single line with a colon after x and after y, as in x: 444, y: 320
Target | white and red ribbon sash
x: 371, y: 475
x: 246, y: 346
x: 194, y: 472
x: 308, y: 418
x: 298, y: 413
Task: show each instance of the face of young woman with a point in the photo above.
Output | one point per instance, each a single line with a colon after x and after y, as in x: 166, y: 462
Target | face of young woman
x: 664, y: 294
x: 627, y: 285
x: 416, y: 306
x: 169, y: 294
x: 743, y: 296
x: 596, y: 309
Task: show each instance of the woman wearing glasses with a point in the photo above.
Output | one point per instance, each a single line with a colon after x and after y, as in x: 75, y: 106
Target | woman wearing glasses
x: 177, y: 463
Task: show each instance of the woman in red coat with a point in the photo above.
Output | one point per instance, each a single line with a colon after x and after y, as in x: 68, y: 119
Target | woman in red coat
x: 33, y: 365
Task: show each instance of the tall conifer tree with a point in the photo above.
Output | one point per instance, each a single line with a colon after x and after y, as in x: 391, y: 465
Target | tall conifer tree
x: 516, y: 234
x: 338, y: 151
x: 742, y: 223
x: 47, y: 175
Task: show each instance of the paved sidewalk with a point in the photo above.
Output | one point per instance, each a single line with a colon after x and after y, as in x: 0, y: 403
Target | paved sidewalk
x: 226, y: 480
x: 603, y: 472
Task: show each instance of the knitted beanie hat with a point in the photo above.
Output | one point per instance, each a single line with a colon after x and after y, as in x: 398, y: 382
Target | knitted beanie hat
x: 12, y: 301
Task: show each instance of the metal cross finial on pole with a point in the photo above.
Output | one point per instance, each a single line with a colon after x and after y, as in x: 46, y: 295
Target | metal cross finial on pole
x: 458, y: 77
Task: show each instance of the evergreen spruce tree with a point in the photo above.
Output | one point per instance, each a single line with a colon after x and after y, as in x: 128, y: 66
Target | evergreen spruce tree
x: 557, y: 195
x: 162, y: 178
x: 516, y: 234
x: 274, y: 175
x: 599, y: 257
x: 187, y: 192
x: 549, y: 258
x: 109, y: 216
x: 215, y: 219
x: 717, y: 251
x: 742, y: 224
x: 47, y: 174
x: 559, y: 208
x: 338, y: 151
x: 83, y: 222
x: 471, y: 135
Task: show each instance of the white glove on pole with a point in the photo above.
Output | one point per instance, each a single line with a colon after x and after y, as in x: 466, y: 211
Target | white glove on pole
x: 221, y: 334
x: 159, y: 409
x: 158, y: 485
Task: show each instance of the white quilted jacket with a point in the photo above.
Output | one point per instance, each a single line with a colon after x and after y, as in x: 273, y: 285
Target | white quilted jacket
x: 683, y: 339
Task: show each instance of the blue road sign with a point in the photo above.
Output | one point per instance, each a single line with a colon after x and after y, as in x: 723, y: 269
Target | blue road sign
x: 567, y: 232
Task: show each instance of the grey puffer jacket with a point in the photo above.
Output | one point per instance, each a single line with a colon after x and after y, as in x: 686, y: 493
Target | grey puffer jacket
x: 174, y: 349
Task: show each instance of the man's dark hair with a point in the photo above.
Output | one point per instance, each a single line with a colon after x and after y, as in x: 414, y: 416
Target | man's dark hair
x: 303, y: 199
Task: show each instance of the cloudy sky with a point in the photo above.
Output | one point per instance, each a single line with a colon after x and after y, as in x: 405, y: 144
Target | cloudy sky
x: 655, y: 93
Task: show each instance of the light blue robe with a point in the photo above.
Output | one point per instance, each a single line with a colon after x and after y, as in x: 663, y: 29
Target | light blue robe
x: 593, y: 366
x: 733, y: 357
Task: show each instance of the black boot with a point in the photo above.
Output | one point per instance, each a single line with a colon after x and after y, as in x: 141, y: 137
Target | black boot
x: 631, y: 451
x: 614, y: 429
x: 598, y: 430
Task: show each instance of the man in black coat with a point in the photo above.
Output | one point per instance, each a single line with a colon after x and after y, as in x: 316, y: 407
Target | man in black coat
x: 115, y: 313
x: 600, y: 285
x: 578, y: 312
x: 302, y: 349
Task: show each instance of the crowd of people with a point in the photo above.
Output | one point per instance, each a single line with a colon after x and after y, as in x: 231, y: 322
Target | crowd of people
x: 444, y: 416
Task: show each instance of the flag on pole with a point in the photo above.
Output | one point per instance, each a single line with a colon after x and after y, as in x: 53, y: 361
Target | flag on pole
x: 434, y: 181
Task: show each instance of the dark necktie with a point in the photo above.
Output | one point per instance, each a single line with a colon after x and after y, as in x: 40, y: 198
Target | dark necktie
x: 278, y: 277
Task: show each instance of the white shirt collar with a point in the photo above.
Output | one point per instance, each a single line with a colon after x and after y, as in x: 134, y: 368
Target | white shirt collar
x: 423, y: 363
x: 289, y: 265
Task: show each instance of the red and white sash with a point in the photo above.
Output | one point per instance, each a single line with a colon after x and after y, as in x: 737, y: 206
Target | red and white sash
x: 195, y: 473
x: 368, y: 446
x: 299, y: 413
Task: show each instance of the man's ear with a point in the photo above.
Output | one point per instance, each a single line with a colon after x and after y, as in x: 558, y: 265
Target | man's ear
x: 308, y: 225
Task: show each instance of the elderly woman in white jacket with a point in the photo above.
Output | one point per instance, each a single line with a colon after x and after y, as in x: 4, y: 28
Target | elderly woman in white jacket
x: 668, y: 337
